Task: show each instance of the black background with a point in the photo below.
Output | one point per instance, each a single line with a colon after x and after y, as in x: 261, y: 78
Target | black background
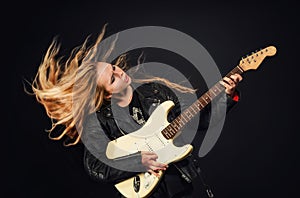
x: 257, y: 153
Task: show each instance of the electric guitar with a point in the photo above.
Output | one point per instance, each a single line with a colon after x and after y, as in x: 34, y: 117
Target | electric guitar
x: 157, y: 134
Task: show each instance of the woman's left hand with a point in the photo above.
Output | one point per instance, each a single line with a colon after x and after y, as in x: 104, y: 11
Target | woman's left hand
x: 230, y: 83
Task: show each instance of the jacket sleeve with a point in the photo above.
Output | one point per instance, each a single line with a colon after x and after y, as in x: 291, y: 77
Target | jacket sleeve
x: 101, y: 172
x: 96, y: 164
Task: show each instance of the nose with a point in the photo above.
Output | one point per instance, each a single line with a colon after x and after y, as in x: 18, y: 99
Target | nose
x: 118, y: 72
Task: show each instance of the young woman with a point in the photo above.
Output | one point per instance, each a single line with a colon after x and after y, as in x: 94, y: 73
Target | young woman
x: 81, y: 86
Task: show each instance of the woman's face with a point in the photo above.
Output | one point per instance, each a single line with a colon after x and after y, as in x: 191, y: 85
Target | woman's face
x: 112, y: 78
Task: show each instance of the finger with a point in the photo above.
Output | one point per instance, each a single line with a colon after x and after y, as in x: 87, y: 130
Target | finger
x: 153, y: 173
x: 225, y: 84
x: 228, y: 88
x: 149, y: 155
x: 158, y: 165
x: 236, y: 78
x: 229, y: 81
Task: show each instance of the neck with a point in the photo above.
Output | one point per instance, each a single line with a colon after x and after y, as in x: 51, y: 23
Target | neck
x: 125, y: 97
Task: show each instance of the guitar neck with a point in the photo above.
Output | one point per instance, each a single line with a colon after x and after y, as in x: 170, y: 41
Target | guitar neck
x: 178, y: 123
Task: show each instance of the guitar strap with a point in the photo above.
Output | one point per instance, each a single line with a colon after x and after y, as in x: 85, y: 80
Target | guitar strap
x: 207, y: 188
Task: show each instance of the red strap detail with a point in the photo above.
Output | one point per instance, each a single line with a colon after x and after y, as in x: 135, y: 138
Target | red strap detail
x: 235, y: 97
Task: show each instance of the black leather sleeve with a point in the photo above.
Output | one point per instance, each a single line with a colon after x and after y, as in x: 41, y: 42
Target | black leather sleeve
x: 101, y: 172
x: 98, y: 167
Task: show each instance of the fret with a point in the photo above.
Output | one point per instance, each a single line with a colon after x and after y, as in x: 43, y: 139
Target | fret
x: 189, y: 114
x: 202, y: 101
x: 168, y: 135
x: 195, y: 105
x: 231, y: 73
x: 165, y: 133
x: 209, y: 96
x: 199, y: 105
x: 177, y: 121
x: 206, y: 98
x: 195, y: 111
x: 175, y: 126
x: 181, y: 121
x: 235, y: 70
x: 171, y: 129
x: 220, y: 87
x: 215, y: 90
x: 213, y: 94
x: 168, y: 132
x: 183, y: 118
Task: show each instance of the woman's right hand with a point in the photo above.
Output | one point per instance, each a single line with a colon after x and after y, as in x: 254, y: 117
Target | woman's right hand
x: 149, y: 161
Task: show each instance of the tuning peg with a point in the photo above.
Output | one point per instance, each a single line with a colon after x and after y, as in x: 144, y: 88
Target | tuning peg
x: 242, y: 60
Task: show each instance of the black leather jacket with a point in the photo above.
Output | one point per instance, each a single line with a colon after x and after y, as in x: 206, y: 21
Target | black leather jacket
x: 149, y: 94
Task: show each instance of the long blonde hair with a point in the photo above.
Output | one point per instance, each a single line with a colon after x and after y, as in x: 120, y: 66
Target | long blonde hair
x: 68, y: 89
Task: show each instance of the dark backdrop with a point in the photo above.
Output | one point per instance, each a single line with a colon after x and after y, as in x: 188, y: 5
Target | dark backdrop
x: 257, y: 153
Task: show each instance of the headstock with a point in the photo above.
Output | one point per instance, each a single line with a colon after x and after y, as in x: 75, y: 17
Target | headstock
x: 255, y: 59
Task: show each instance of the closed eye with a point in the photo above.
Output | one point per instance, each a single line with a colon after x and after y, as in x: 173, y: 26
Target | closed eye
x: 113, y: 77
